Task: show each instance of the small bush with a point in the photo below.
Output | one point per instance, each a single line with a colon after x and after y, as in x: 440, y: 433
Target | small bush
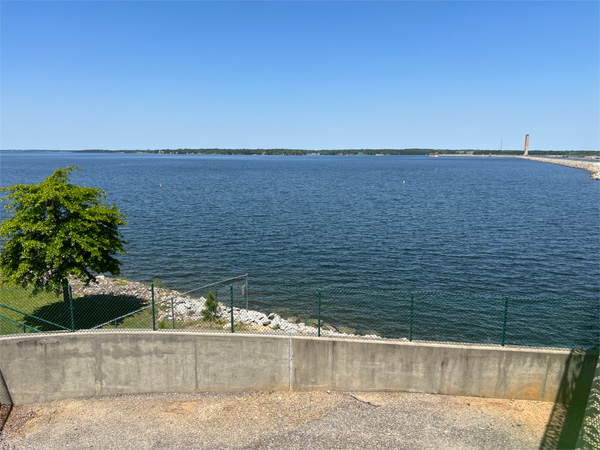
x: 210, y: 307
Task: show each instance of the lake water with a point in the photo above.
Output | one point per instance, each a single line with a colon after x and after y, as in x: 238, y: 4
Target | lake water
x: 472, y: 228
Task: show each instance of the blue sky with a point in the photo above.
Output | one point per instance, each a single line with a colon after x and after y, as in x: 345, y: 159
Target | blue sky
x: 313, y: 75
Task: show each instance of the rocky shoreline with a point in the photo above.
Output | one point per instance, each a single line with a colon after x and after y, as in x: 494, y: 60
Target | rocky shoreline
x: 184, y: 310
x: 591, y: 166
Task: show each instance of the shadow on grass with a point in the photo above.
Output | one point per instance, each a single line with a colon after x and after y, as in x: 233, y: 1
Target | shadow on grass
x: 88, y: 312
x: 569, y: 410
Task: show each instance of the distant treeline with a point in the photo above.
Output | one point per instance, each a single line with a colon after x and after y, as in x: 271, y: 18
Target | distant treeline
x: 383, y: 151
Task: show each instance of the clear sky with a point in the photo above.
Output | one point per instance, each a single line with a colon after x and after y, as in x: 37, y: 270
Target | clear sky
x: 312, y: 75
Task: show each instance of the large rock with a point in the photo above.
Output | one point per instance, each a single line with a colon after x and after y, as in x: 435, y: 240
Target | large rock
x: 196, y: 305
x: 181, y: 309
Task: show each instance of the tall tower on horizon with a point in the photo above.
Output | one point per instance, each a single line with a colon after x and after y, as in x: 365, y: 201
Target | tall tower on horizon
x: 526, y: 145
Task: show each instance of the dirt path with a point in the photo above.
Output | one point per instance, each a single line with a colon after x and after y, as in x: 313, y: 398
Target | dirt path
x: 291, y: 420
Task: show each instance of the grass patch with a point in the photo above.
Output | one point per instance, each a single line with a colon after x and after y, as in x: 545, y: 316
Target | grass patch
x: 203, y: 325
x: 189, y: 325
x: 88, y: 311
x: 158, y: 284
x: 23, y: 300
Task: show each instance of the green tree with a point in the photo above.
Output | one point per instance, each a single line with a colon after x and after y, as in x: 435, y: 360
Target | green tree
x: 57, y: 230
x: 210, y: 307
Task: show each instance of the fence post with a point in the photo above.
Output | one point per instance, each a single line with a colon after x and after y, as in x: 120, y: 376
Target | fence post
x: 319, y: 316
x: 411, y: 316
x: 71, y: 306
x: 246, y: 292
x: 505, y: 316
x: 153, y: 310
x: 231, y: 294
x: 172, y: 314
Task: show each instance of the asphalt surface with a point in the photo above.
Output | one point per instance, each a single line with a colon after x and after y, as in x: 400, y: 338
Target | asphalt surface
x: 275, y: 420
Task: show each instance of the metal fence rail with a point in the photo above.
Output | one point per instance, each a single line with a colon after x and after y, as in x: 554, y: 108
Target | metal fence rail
x: 366, y: 313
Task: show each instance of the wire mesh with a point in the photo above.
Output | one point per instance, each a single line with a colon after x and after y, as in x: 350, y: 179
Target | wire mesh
x: 306, y: 310
x: 24, y: 310
x: 190, y: 310
x: 463, y: 317
x: 590, y: 429
x: 110, y: 303
x: 287, y: 312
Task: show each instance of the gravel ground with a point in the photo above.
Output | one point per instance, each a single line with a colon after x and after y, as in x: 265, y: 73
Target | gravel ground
x: 290, y: 420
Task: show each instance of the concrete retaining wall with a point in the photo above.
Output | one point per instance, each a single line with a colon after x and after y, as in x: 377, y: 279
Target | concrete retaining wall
x: 39, y: 368
x: 495, y: 372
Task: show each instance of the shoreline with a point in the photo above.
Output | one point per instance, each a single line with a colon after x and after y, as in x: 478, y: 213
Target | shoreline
x: 184, y: 311
x: 591, y: 166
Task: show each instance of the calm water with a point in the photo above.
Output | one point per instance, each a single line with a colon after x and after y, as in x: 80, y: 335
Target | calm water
x: 485, y: 226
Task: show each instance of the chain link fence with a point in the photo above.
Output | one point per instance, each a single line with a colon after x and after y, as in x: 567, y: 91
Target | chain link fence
x: 22, y: 310
x: 230, y: 306
x: 589, y: 437
x: 386, y: 313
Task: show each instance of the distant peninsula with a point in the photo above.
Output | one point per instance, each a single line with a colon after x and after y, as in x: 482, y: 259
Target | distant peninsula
x: 358, y: 152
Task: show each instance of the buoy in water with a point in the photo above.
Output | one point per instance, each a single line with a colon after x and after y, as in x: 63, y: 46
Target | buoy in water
x: 160, y: 184
x: 403, y: 181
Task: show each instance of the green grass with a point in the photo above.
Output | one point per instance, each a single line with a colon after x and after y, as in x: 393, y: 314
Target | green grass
x: 89, y: 311
x: 23, y: 300
x: 203, y: 325
x: 158, y: 284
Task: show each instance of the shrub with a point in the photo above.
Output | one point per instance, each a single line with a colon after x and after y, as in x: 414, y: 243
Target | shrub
x: 210, y: 307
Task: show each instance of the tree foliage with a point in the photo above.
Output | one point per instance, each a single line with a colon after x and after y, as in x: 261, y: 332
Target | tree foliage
x: 57, y: 230
x: 211, y: 307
